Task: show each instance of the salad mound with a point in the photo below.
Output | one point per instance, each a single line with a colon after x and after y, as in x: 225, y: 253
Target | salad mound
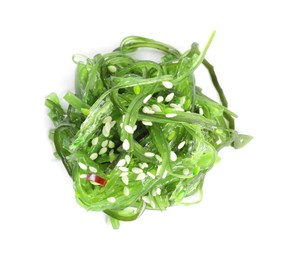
x: 139, y: 134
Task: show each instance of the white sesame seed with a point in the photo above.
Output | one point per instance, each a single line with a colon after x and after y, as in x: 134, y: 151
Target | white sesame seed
x: 104, y: 143
x: 111, y: 153
x: 147, y: 110
x: 107, y: 119
x: 181, y: 145
x: 129, y: 129
x: 145, y: 165
x: 126, y: 145
x: 83, y: 176
x: 158, y: 191
x: 158, y: 158
x: 121, y: 125
x: 170, y: 115
x: 94, y: 183
x: 135, y: 128
x: 125, y: 180
x: 126, y: 191
x: 160, y: 99
x: 128, y: 158
x: 156, y: 108
x: 141, y: 176
x: 124, y: 174
x: 182, y: 100
x: 106, y: 129
x: 173, y: 156
x: 151, y: 175
x: 201, y: 111
x: 146, y: 199
x: 149, y: 154
x: 111, y: 144
x: 169, y: 97
x: 82, y: 166
x: 153, y: 192
x: 219, y: 141
x: 186, y: 171
x: 167, y: 84
x: 123, y: 169
x: 146, y: 99
x: 121, y: 162
x: 94, y: 141
x: 164, y: 174
x: 111, y: 199
x: 92, y: 169
x: 179, y: 109
x: 173, y: 105
x: 158, y: 169
x: 141, y: 165
x: 137, y: 170
x: 112, y: 68
x: 93, y: 156
x: 102, y: 150
x: 112, y: 123
x: 147, y: 123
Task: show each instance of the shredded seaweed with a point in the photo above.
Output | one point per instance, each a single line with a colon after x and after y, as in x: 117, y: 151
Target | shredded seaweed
x: 138, y: 134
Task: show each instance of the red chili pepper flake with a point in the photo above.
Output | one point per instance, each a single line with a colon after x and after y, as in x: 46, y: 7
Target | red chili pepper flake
x: 96, y: 179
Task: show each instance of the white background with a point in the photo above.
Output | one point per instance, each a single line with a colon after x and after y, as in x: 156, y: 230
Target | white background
x: 246, y: 210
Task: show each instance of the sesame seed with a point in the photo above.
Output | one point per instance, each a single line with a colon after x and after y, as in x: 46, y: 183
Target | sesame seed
x: 147, y: 110
x: 121, y: 125
x: 167, y: 84
x: 145, y: 165
x: 169, y: 97
x: 147, y: 123
x: 128, y: 158
x: 182, y: 100
x: 158, y: 169
x: 173, y: 105
x: 170, y: 115
x: 153, y: 192
x: 123, y: 169
x: 146, y: 199
x: 137, y: 170
x: 112, y: 123
x: 124, y: 174
x: 121, y: 162
x: 112, y: 68
x: 102, y: 150
x: 149, y: 154
x: 94, y: 141
x: 111, y: 153
x: 106, y: 129
x: 173, y: 156
x: 104, y: 143
x: 156, y: 108
x: 141, y: 165
x: 201, y: 111
x: 94, y: 183
x: 111, y: 144
x: 181, y: 145
x: 82, y: 166
x: 126, y: 145
x: 219, y: 141
x: 186, y: 171
x: 107, y: 119
x: 125, y: 180
x: 151, y: 175
x: 179, y: 109
x: 146, y: 99
x: 135, y: 128
x: 129, y: 129
x: 126, y: 191
x: 93, y: 156
x: 141, y: 176
x: 158, y: 191
x: 164, y: 174
x: 158, y: 157
x: 83, y: 176
x: 160, y: 99
x: 92, y: 169
x: 111, y: 199
x: 152, y: 203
